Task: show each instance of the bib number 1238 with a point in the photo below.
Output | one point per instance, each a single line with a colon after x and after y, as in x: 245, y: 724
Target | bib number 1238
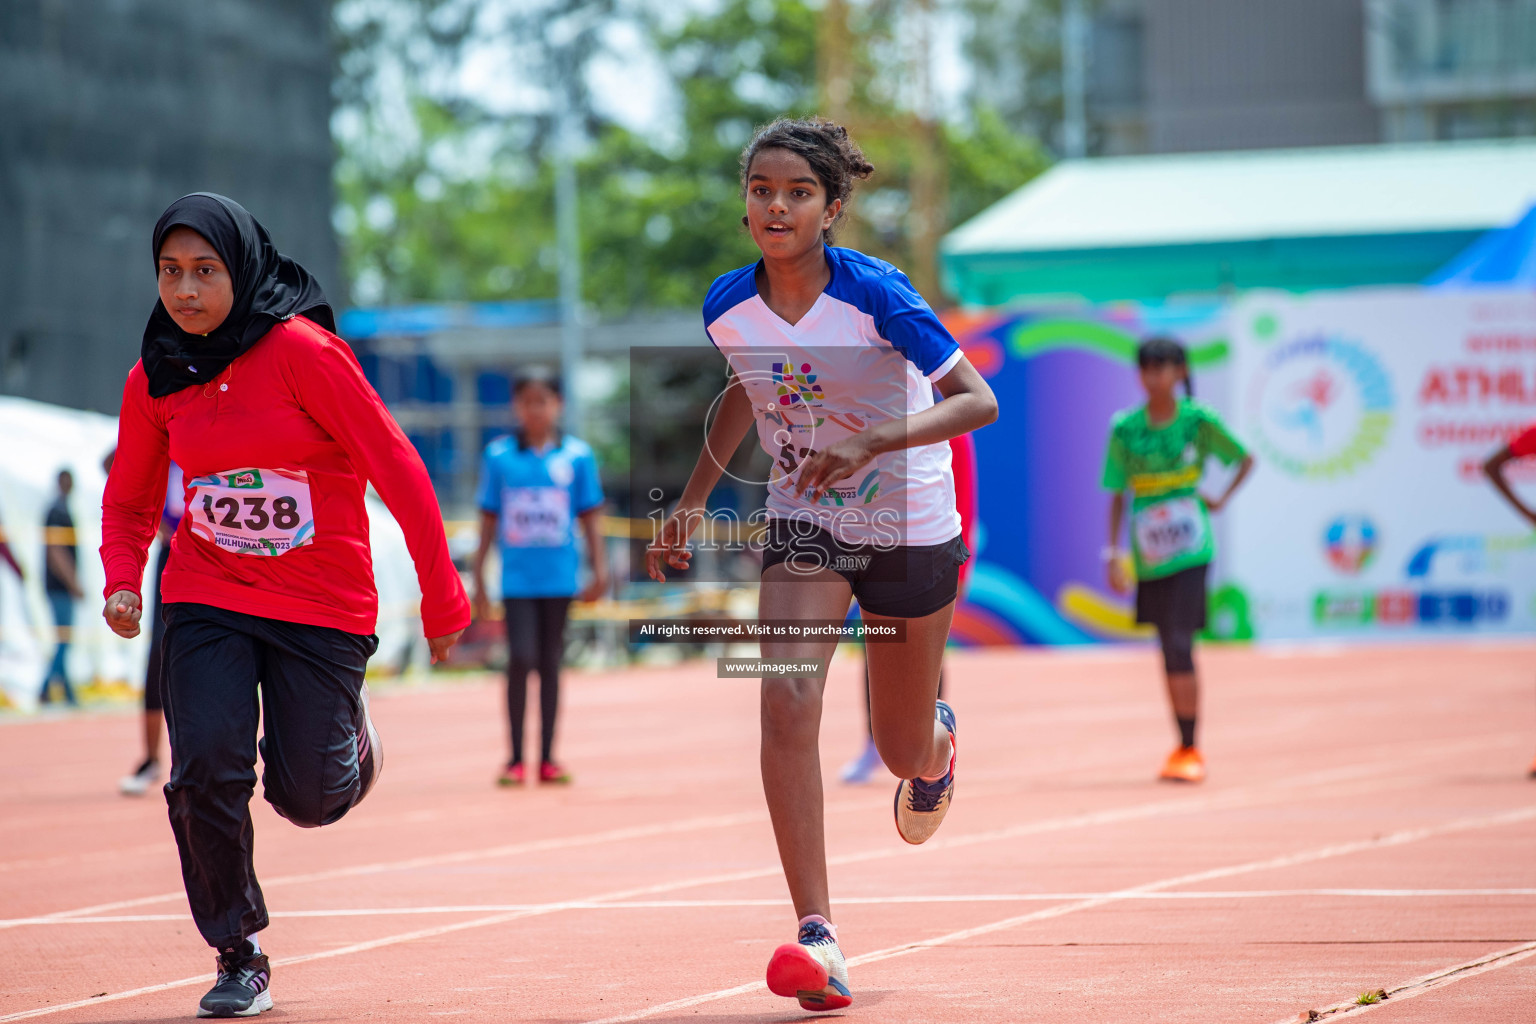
x: 253, y: 511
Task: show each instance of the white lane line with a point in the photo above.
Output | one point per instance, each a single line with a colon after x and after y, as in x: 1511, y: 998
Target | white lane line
x: 1272, y: 863
x: 1246, y: 796
x: 1112, y: 816
x: 1428, y: 982
x: 1361, y: 770
x: 617, y: 835
x: 1007, y: 897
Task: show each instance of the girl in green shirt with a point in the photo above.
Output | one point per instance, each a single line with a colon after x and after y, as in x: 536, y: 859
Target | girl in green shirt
x: 1157, y: 451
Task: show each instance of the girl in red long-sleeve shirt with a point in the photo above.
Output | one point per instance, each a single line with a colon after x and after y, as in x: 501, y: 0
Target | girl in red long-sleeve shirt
x: 269, y: 582
x: 1521, y: 446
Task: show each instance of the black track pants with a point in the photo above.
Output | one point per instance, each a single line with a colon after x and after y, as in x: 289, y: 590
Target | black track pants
x: 535, y: 640
x: 310, y: 678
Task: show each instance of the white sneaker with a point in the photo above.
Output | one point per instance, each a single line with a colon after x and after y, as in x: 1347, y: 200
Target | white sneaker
x: 811, y: 969
x: 144, y: 776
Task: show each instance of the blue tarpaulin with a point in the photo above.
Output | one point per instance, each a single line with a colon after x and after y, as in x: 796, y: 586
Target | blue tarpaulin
x: 1503, y: 256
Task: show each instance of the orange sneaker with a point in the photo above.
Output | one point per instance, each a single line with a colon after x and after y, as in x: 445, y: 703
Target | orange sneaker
x: 1184, y: 765
x: 1533, y: 769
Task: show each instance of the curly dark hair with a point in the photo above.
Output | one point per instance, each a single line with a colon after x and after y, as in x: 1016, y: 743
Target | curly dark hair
x: 834, y: 157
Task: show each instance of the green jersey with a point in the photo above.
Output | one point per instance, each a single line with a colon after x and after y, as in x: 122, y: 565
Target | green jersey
x: 1162, y: 466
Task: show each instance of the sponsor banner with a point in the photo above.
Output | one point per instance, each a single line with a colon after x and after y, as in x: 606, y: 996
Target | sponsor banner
x: 1370, y: 413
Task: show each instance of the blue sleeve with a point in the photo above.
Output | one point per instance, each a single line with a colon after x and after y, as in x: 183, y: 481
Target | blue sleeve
x: 487, y: 494
x: 904, y: 318
x: 587, y: 488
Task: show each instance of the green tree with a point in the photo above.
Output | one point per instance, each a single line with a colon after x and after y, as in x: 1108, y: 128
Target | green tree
x: 660, y: 217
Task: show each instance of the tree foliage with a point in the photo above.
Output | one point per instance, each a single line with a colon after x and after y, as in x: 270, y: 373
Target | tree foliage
x: 439, y: 199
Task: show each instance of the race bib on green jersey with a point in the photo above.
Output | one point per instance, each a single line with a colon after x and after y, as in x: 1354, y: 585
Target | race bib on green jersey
x: 1171, y: 531
x: 265, y: 512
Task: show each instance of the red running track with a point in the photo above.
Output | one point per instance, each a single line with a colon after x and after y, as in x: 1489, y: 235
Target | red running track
x: 1368, y: 824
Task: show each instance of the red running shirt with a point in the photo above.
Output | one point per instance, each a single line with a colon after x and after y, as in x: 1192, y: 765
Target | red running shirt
x: 1525, y: 443
x: 963, y: 465
x: 297, y: 409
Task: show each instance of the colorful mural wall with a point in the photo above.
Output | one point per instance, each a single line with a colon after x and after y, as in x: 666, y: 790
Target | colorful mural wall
x: 1060, y: 375
x: 1369, y: 412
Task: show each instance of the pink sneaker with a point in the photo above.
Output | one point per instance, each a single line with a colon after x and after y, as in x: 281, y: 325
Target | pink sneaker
x: 511, y: 775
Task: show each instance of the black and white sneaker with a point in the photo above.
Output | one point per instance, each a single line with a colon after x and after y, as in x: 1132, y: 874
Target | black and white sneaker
x: 144, y: 776
x: 370, y: 752
x: 244, y: 985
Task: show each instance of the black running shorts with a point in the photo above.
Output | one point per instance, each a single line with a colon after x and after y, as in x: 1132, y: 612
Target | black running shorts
x: 904, y: 582
x: 1173, y: 602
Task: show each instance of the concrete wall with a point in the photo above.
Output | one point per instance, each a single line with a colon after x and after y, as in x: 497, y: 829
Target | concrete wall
x: 1254, y: 74
x: 109, y: 110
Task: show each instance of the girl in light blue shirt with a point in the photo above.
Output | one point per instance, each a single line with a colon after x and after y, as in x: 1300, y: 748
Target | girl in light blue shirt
x: 536, y: 486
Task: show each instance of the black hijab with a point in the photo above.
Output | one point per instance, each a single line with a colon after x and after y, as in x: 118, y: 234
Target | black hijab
x: 269, y: 288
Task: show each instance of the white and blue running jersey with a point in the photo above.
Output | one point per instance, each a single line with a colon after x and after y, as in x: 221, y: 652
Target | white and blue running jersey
x: 867, y: 351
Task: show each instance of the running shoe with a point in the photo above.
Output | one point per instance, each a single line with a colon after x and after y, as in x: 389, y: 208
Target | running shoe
x: 549, y: 771
x: 243, y: 988
x: 1184, y: 765
x: 142, y: 778
x: 370, y: 752
x: 511, y: 775
x: 862, y: 768
x: 1533, y: 769
x: 920, y: 804
x: 811, y: 969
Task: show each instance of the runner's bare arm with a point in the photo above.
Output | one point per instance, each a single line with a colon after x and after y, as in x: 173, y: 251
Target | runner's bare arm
x: 731, y: 425
x: 597, y: 551
x: 489, y: 523
x: 968, y: 404
x: 1494, y: 468
x: 1113, y: 562
x: 1243, y: 469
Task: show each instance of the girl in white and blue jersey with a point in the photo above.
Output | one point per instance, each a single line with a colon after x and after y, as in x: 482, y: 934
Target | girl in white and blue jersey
x: 836, y: 357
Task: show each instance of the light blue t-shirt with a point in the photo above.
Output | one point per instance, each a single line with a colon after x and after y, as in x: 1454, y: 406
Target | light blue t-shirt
x: 537, y: 496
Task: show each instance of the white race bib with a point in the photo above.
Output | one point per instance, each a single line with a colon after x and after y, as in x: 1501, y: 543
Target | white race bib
x: 253, y: 511
x: 1169, y: 529
x: 536, y: 517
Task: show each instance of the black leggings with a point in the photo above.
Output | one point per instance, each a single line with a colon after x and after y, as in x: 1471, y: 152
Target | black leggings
x: 223, y: 669
x: 535, y: 640
x: 1178, y: 648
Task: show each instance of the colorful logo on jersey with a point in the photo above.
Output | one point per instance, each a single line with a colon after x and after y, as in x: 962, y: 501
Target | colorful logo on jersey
x: 797, y: 389
x: 1322, y: 406
x: 1350, y: 542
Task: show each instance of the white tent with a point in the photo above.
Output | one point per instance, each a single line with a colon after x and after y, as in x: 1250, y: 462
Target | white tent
x: 40, y: 440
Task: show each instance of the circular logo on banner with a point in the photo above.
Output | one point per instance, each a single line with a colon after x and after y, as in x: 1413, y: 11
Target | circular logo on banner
x: 1351, y: 543
x: 1322, y: 406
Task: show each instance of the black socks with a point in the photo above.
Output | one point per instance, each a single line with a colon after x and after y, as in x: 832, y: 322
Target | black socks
x: 1186, y: 731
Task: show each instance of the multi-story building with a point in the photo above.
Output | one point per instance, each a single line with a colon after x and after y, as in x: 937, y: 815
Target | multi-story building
x: 1169, y: 76
x: 110, y: 109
